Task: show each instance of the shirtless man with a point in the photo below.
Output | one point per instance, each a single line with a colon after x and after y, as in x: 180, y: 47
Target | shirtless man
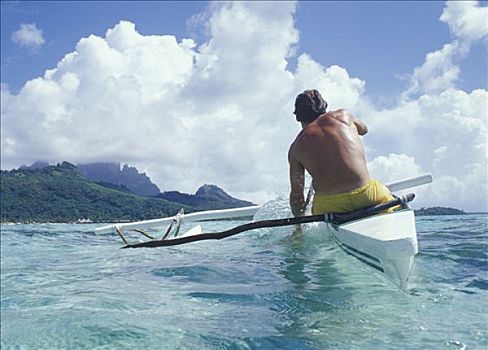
x: 329, y: 147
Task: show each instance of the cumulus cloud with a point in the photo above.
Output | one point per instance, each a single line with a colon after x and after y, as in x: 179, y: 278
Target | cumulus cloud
x: 334, y: 82
x: 439, y: 71
x: 445, y: 134
x: 220, y: 111
x: 467, y: 20
x: 447, y: 127
x: 28, y: 36
x: 394, y: 167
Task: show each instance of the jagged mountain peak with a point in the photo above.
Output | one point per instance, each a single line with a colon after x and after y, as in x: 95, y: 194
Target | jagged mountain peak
x: 111, y: 172
x: 36, y: 165
x: 211, y: 191
x: 205, y: 198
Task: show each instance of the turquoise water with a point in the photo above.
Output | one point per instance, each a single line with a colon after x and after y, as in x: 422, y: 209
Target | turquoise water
x: 63, y: 287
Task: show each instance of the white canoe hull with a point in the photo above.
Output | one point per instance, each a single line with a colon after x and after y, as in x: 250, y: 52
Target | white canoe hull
x: 385, y: 242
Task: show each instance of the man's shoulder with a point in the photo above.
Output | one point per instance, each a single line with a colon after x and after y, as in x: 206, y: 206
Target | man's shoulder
x: 291, y: 152
x: 295, y: 145
x: 338, y: 113
x: 341, y: 115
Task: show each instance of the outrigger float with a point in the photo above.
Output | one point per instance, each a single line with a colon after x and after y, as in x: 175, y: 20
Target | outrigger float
x: 384, y: 241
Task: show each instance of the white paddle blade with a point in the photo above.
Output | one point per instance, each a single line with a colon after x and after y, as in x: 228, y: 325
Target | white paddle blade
x: 409, y: 183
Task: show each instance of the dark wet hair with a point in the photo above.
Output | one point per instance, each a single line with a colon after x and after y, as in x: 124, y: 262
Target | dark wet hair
x: 309, y: 105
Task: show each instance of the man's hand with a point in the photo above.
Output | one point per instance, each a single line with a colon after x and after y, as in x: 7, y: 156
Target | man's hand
x: 297, y: 231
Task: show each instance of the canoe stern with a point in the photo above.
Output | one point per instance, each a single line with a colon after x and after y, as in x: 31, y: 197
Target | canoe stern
x: 386, y: 242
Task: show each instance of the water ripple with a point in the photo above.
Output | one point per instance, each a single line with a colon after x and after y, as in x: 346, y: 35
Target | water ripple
x: 64, y: 287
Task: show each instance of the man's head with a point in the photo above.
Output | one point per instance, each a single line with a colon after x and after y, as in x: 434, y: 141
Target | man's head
x: 309, y: 105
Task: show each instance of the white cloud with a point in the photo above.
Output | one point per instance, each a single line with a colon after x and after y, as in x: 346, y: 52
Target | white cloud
x: 334, y: 83
x: 185, y: 115
x: 221, y: 111
x: 393, y: 167
x: 445, y: 134
x: 447, y: 128
x: 28, y: 36
x: 439, y: 71
x: 467, y: 20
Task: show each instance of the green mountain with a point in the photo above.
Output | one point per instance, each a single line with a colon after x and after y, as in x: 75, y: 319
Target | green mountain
x: 62, y: 194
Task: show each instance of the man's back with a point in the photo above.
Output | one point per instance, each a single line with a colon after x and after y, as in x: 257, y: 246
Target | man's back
x: 331, y: 150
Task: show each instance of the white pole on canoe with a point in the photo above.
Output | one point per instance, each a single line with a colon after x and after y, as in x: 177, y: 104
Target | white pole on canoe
x: 409, y: 183
x: 197, y: 216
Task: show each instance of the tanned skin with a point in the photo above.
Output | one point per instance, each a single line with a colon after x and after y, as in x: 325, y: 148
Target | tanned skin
x: 331, y: 150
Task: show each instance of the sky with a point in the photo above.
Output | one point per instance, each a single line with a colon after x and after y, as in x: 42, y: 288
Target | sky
x: 193, y: 92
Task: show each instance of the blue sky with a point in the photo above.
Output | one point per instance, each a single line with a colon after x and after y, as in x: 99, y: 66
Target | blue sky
x: 109, y: 81
x: 379, y: 41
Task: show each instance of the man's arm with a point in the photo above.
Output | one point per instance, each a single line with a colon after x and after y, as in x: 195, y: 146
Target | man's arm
x: 362, y: 128
x: 297, y: 184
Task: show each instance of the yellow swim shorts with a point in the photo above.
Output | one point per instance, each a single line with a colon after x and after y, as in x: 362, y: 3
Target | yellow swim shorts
x: 374, y: 192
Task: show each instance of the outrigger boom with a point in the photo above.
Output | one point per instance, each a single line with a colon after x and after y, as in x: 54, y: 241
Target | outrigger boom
x: 192, y: 217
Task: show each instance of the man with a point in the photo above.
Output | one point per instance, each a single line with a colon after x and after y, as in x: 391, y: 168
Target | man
x: 329, y: 147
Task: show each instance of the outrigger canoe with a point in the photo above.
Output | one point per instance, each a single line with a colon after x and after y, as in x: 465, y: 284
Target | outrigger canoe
x: 383, y: 241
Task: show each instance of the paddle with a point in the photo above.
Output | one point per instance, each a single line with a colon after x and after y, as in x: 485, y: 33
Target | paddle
x: 334, y: 218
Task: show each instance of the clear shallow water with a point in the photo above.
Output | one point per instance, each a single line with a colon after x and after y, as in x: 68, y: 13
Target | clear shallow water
x: 62, y: 287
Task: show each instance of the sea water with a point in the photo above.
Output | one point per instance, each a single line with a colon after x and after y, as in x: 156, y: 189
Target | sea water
x: 63, y: 287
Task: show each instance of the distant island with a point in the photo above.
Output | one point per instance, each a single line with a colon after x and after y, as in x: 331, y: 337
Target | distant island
x: 439, y: 211
x: 62, y: 193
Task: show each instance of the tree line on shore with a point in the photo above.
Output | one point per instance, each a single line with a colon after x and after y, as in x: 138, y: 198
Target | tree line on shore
x: 60, y: 193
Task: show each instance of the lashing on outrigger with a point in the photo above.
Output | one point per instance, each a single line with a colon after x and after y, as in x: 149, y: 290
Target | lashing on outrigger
x: 172, y: 230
